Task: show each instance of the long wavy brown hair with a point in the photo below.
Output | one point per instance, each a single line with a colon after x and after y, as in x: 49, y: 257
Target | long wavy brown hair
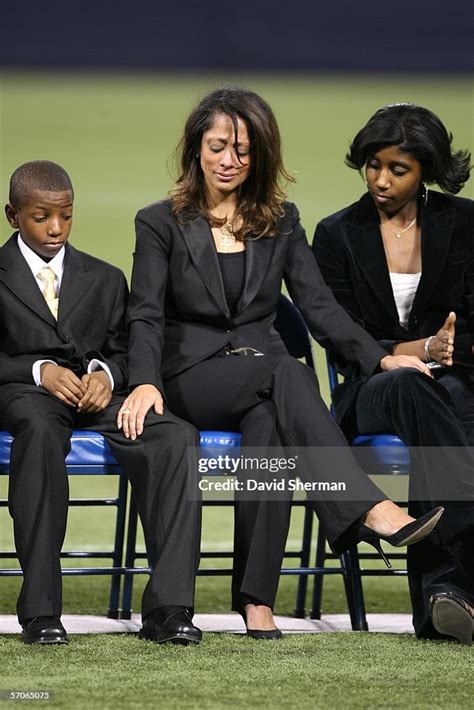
x: 261, y: 196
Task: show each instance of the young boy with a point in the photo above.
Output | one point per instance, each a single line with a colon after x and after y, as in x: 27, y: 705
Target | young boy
x: 62, y: 362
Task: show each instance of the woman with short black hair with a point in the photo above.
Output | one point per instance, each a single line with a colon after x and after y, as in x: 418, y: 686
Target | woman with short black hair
x: 401, y: 263
x: 418, y: 131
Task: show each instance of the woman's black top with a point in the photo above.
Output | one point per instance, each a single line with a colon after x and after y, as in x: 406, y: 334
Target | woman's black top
x: 233, y: 275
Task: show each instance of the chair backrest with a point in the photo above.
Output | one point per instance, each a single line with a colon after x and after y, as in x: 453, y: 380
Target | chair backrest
x: 332, y: 372
x: 293, y: 330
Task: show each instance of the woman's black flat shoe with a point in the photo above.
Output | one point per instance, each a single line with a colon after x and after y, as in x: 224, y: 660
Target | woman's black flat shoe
x: 270, y: 635
x: 260, y: 634
x: 407, y: 535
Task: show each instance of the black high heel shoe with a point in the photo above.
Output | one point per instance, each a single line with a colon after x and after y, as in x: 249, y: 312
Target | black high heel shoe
x: 260, y: 634
x: 407, y: 535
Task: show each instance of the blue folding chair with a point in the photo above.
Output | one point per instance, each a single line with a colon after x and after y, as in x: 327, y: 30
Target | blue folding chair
x: 294, y: 332
x: 90, y: 455
x: 378, y: 454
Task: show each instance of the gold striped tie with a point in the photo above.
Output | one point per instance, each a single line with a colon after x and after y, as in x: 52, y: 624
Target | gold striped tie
x: 49, y: 279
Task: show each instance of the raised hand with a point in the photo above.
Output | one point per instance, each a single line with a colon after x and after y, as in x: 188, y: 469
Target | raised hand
x: 441, y: 346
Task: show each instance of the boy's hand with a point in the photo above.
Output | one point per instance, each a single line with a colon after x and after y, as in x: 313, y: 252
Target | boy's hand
x: 98, y: 392
x: 62, y: 383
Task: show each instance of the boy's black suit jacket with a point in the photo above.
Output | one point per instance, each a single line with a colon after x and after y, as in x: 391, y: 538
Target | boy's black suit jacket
x: 178, y: 313
x: 349, y: 249
x: 91, y: 318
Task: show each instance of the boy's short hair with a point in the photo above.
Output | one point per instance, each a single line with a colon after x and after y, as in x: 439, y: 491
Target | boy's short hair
x: 37, y: 175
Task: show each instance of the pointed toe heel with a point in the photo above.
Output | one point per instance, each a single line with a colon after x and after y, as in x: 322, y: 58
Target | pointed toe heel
x: 407, y: 535
x: 417, y: 530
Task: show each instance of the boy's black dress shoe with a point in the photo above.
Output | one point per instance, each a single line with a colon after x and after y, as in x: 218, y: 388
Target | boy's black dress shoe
x: 44, y: 629
x: 172, y: 624
x: 452, y: 616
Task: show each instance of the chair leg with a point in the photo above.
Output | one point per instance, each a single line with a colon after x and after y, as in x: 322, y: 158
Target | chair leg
x: 354, y: 591
x: 113, y: 612
x: 318, y: 578
x: 130, y: 553
x: 299, y: 612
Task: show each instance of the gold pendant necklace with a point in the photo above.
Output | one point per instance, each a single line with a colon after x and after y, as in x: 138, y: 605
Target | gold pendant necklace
x: 227, y: 238
x: 401, y: 231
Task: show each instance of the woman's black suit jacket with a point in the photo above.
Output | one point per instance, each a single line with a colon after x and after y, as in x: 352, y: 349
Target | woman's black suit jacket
x: 178, y: 314
x: 349, y: 249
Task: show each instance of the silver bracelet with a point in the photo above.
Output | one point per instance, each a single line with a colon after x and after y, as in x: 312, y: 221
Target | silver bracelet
x: 427, y: 348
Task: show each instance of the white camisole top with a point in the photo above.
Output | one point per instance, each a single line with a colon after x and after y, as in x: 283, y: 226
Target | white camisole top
x: 404, y: 288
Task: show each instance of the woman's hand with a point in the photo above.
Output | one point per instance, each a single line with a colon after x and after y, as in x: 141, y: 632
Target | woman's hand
x: 133, y: 411
x: 393, y: 362
x: 441, y: 345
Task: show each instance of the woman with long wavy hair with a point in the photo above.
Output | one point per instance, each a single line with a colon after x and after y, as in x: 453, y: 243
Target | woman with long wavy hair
x: 208, y: 269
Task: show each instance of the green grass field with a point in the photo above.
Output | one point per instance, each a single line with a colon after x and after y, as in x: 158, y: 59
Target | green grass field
x: 350, y: 670
x: 328, y: 671
x: 115, y: 134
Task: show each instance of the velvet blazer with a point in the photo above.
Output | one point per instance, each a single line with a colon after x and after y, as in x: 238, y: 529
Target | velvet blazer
x: 349, y: 249
x: 178, y: 315
x: 91, y: 318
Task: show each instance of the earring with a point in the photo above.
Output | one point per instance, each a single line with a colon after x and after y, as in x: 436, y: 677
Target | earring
x: 424, y: 193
